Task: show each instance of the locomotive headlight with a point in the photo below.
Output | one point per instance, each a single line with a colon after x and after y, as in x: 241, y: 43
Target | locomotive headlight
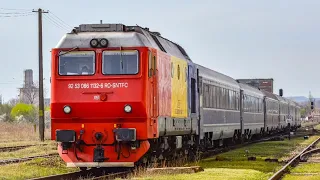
x: 67, y: 109
x: 104, y: 42
x: 94, y: 42
x: 127, y: 108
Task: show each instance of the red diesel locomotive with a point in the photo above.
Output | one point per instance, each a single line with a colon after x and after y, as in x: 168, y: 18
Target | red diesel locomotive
x: 123, y: 96
x: 110, y: 87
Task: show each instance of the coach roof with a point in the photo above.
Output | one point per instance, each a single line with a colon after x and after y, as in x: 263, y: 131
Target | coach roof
x: 211, y: 75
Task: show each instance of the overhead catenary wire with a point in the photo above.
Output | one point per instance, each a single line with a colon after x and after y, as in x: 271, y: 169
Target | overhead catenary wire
x: 55, y: 23
x: 15, y: 12
x: 11, y: 9
x: 51, y: 17
x: 56, y: 17
x: 16, y: 15
x: 8, y: 13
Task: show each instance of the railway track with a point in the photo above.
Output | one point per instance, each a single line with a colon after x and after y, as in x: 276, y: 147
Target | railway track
x: 271, y: 138
x: 18, y: 160
x: 101, y: 173
x: 93, y: 174
x: 302, y: 156
x: 14, y: 148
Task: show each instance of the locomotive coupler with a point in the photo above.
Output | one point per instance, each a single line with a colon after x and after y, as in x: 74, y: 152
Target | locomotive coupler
x: 98, y: 154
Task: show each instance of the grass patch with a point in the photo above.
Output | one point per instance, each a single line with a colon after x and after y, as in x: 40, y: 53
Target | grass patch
x: 263, y: 150
x: 20, y: 132
x: 317, y: 127
x: 217, y: 174
x: 309, y: 123
x: 35, y: 168
x: 30, y: 151
x: 261, y: 166
x: 234, y: 164
x: 301, y: 177
x: 307, y: 168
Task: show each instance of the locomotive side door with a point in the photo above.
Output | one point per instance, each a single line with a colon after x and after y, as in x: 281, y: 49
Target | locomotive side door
x: 153, y: 95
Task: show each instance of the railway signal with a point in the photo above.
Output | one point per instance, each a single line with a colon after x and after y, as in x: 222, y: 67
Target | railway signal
x: 281, y: 92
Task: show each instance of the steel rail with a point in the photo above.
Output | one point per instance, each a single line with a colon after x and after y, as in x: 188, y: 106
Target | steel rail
x: 278, y: 175
x: 14, y: 148
x: 17, y: 160
x: 113, y: 175
x: 304, y: 156
x: 93, y: 174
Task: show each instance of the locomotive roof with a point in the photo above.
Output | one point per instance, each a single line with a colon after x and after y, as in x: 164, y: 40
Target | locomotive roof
x: 217, y: 77
x: 269, y: 95
x: 251, y: 90
x: 119, y: 35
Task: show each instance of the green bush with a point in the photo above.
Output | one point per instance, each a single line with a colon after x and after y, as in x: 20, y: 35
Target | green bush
x: 28, y: 111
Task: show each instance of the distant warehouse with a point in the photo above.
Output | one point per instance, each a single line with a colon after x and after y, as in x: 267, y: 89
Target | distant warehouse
x: 264, y: 84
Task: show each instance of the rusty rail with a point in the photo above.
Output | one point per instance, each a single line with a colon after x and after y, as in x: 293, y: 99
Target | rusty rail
x: 93, y: 174
x: 14, y: 148
x: 278, y: 175
x: 18, y: 160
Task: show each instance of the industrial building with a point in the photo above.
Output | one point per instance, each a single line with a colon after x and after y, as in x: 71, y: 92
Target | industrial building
x: 263, y: 84
x: 29, y: 93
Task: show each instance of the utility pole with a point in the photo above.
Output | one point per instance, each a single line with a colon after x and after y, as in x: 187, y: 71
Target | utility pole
x: 41, y: 99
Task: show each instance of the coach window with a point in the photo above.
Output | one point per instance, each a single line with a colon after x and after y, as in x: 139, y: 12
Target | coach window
x: 120, y: 62
x: 193, y: 95
x: 214, y: 96
x: 211, y: 96
x: 77, y: 63
x: 227, y: 98
x: 219, y: 97
x: 205, y: 95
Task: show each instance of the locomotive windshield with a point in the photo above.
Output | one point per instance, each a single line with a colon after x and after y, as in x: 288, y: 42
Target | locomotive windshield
x: 77, y: 63
x: 120, y: 62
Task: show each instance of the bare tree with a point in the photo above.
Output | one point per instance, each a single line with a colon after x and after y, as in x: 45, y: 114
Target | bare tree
x: 14, y: 101
x: 30, y: 94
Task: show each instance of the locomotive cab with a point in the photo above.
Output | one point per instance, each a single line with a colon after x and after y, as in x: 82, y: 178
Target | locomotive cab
x: 100, y: 91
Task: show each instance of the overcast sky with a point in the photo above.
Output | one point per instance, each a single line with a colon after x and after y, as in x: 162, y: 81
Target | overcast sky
x: 242, y: 39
